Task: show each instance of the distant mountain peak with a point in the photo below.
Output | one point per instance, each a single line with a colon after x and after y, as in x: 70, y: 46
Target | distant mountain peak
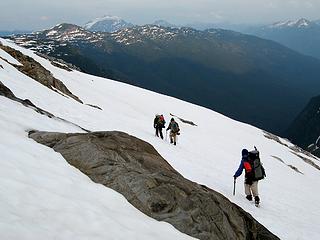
x: 298, y: 23
x: 65, y: 30
x: 107, y: 23
x: 163, y: 23
x: 89, y: 24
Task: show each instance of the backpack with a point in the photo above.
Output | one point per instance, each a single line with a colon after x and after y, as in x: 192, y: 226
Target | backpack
x: 161, y: 120
x: 175, y: 127
x: 256, y: 165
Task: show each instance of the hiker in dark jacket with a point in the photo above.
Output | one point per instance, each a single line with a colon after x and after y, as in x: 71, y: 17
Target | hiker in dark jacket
x: 174, y: 131
x: 158, y: 124
x: 250, y: 184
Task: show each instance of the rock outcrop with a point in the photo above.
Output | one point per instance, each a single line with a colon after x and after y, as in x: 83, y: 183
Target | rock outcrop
x: 37, y: 72
x: 6, y: 92
x: 136, y: 170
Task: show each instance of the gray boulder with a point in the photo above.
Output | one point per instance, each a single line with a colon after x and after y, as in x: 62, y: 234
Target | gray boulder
x: 135, y: 169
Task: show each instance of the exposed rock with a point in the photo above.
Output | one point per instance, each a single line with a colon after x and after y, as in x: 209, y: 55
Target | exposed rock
x: 59, y: 63
x: 289, y: 165
x: 37, y: 72
x: 136, y: 170
x: 94, y: 106
x: 6, y: 92
x: 295, y: 168
x: 184, y: 120
x: 307, y: 160
x: 295, y: 150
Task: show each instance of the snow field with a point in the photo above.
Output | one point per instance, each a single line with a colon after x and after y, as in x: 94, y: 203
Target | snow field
x: 208, y: 154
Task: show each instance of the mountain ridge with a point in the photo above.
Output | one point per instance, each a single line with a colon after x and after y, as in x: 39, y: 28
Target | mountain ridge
x: 301, y: 35
x: 298, y: 23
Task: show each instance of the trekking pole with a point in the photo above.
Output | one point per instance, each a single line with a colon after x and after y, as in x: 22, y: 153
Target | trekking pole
x: 234, y: 186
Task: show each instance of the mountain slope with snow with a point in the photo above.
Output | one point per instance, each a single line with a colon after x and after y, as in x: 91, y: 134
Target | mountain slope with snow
x: 204, y: 63
x: 298, y: 23
x: 42, y: 197
x: 208, y: 153
x: 300, y: 35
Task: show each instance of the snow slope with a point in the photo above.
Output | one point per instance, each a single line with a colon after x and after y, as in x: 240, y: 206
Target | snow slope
x: 42, y: 196
x: 208, y: 154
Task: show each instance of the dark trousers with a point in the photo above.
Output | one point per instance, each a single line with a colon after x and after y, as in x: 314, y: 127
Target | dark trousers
x: 159, y: 130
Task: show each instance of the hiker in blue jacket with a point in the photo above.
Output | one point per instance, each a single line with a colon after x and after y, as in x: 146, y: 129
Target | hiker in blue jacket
x: 250, y: 184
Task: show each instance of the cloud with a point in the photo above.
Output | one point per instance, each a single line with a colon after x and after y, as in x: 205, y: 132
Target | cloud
x: 44, y: 18
x: 217, y: 15
x: 43, y: 14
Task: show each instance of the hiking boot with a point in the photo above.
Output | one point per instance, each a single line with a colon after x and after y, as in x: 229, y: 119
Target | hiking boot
x: 175, y: 143
x: 256, y: 200
x: 249, y: 197
x: 171, y: 141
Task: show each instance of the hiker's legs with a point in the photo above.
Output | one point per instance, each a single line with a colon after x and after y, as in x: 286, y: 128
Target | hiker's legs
x: 174, y: 138
x: 254, y: 189
x: 160, y: 130
x: 157, y: 130
x: 247, y: 189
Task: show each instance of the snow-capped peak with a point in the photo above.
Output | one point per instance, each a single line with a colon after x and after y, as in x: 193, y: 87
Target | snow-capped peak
x: 299, y: 23
x: 89, y: 24
x: 107, y: 23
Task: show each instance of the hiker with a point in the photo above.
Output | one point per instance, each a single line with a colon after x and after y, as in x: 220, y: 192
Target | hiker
x: 158, y: 124
x: 174, y: 131
x: 254, y: 172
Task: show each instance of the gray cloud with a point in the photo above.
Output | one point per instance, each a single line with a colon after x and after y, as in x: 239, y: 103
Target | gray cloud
x: 39, y: 14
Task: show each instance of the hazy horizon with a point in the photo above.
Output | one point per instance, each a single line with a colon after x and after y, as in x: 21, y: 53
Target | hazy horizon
x: 37, y: 14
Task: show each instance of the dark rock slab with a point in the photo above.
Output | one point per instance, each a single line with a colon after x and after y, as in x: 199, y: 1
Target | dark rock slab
x: 6, y: 92
x: 136, y: 170
x: 37, y: 72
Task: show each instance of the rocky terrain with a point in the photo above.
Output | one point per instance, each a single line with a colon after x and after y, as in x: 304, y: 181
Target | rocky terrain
x: 37, y: 72
x: 136, y: 170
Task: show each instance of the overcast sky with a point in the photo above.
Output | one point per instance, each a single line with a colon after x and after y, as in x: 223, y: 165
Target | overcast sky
x: 41, y: 14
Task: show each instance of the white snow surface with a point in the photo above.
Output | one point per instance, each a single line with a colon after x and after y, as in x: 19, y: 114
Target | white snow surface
x: 42, y: 197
